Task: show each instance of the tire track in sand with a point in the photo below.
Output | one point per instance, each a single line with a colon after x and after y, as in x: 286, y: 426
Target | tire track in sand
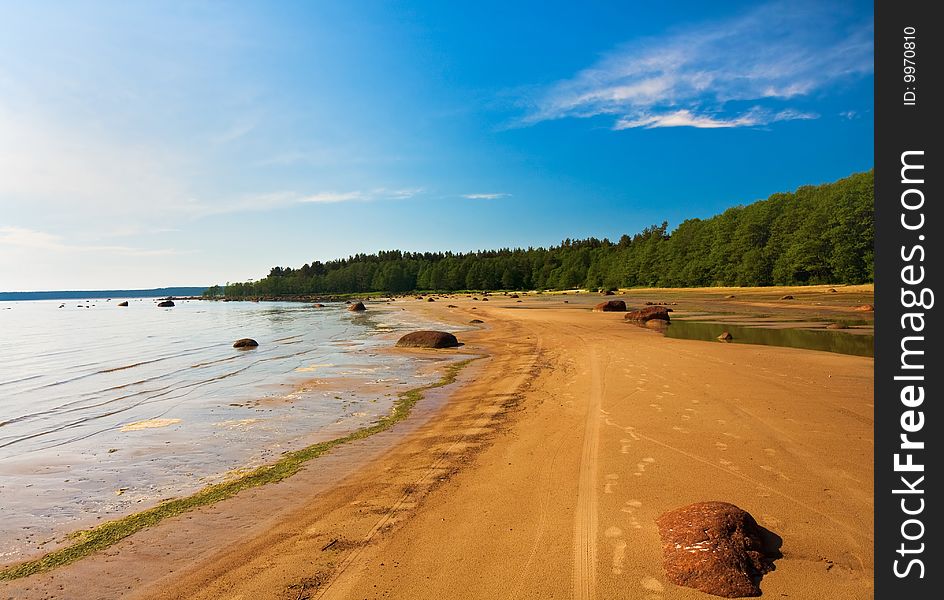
x: 585, y: 527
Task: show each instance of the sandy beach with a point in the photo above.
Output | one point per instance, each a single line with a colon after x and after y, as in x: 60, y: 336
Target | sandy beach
x: 541, y: 471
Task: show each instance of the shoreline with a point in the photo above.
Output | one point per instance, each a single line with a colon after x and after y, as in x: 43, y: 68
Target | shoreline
x: 518, y: 420
x: 106, y: 534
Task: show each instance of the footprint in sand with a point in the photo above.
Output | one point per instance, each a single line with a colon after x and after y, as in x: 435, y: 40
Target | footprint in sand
x: 630, y: 506
x: 686, y: 417
x: 611, y: 481
x: 680, y: 429
x: 695, y: 401
x: 727, y: 464
x: 619, y: 548
x: 651, y: 584
x: 770, y: 469
x: 619, y: 555
x: 769, y: 451
x: 691, y: 410
x: 641, y: 466
x: 656, y: 406
x: 624, y: 446
x: 721, y: 422
x: 721, y: 446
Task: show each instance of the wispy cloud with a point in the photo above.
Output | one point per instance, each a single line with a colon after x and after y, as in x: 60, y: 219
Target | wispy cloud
x: 686, y: 118
x: 491, y: 196
x: 30, y: 239
x: 743, y: 72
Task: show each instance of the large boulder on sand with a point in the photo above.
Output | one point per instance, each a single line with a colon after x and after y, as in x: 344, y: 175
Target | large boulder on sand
x: 125, y: 303
x: 357, y: 307
x: 649, y: 313
x: 165, y: 304
x: 717, y: 548
x: 611, y: 306
x: 428, y: 339
x: 725, y: 336
x: 245, y: 343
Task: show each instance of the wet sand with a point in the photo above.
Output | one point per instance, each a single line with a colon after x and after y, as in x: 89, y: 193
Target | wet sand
x: 541, y: 472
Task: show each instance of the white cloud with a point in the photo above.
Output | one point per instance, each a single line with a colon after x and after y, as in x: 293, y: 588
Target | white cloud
x: 685, y: 118
x: 492, y: 196
x: 28, y: 239
x: 703, y: 76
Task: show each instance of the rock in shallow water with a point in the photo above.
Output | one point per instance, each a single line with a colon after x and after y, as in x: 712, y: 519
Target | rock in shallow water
x: 428, y: 339
x: 165, y: 304
x: 649, y: 313
x: 717, y: 548
x: 245, y: 343
x: 357, y: 307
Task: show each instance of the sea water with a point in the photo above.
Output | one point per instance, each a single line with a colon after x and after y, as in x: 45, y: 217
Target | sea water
x: 106, y: 410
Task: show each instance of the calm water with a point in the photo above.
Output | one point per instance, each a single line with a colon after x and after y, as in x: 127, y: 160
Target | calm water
x: 106, y: 410
x: 827, y: 340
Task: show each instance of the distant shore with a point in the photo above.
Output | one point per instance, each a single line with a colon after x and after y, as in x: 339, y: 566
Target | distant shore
x: 552, y: 457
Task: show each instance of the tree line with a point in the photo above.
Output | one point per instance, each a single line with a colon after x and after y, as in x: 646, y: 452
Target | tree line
x: 814, y: 235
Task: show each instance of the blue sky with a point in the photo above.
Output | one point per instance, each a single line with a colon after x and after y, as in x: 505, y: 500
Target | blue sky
x: 192, y: 143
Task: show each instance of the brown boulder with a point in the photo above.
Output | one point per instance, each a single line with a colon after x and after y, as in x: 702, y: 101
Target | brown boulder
x: 611, y: 306
x: 430, y: 299
x: 428, y: 339
x: 649, y: 313
x: 725, y: 336
x: 787, y: 297
x: 730, y: 297
x: 245, y: 343
x: 865, y: 308
x: 514, y: 296
x: 657, y: 324
x: 832, y: 291
x: 317, y: 305
x: 717, y: 548
x: 357, y: 307
x: 165, y: 304
x: 125, y: 303
x: 476, y: 321
x: 837, y: 326
x: 609, y: 293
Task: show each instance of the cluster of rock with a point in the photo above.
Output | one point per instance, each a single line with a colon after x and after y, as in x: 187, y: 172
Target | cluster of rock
x: 715, y: 547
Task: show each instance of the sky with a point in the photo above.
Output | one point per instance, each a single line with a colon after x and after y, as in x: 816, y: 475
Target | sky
x: 148, y: 144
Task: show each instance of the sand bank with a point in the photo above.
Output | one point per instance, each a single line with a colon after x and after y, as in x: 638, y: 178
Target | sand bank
x: 540, y: 474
